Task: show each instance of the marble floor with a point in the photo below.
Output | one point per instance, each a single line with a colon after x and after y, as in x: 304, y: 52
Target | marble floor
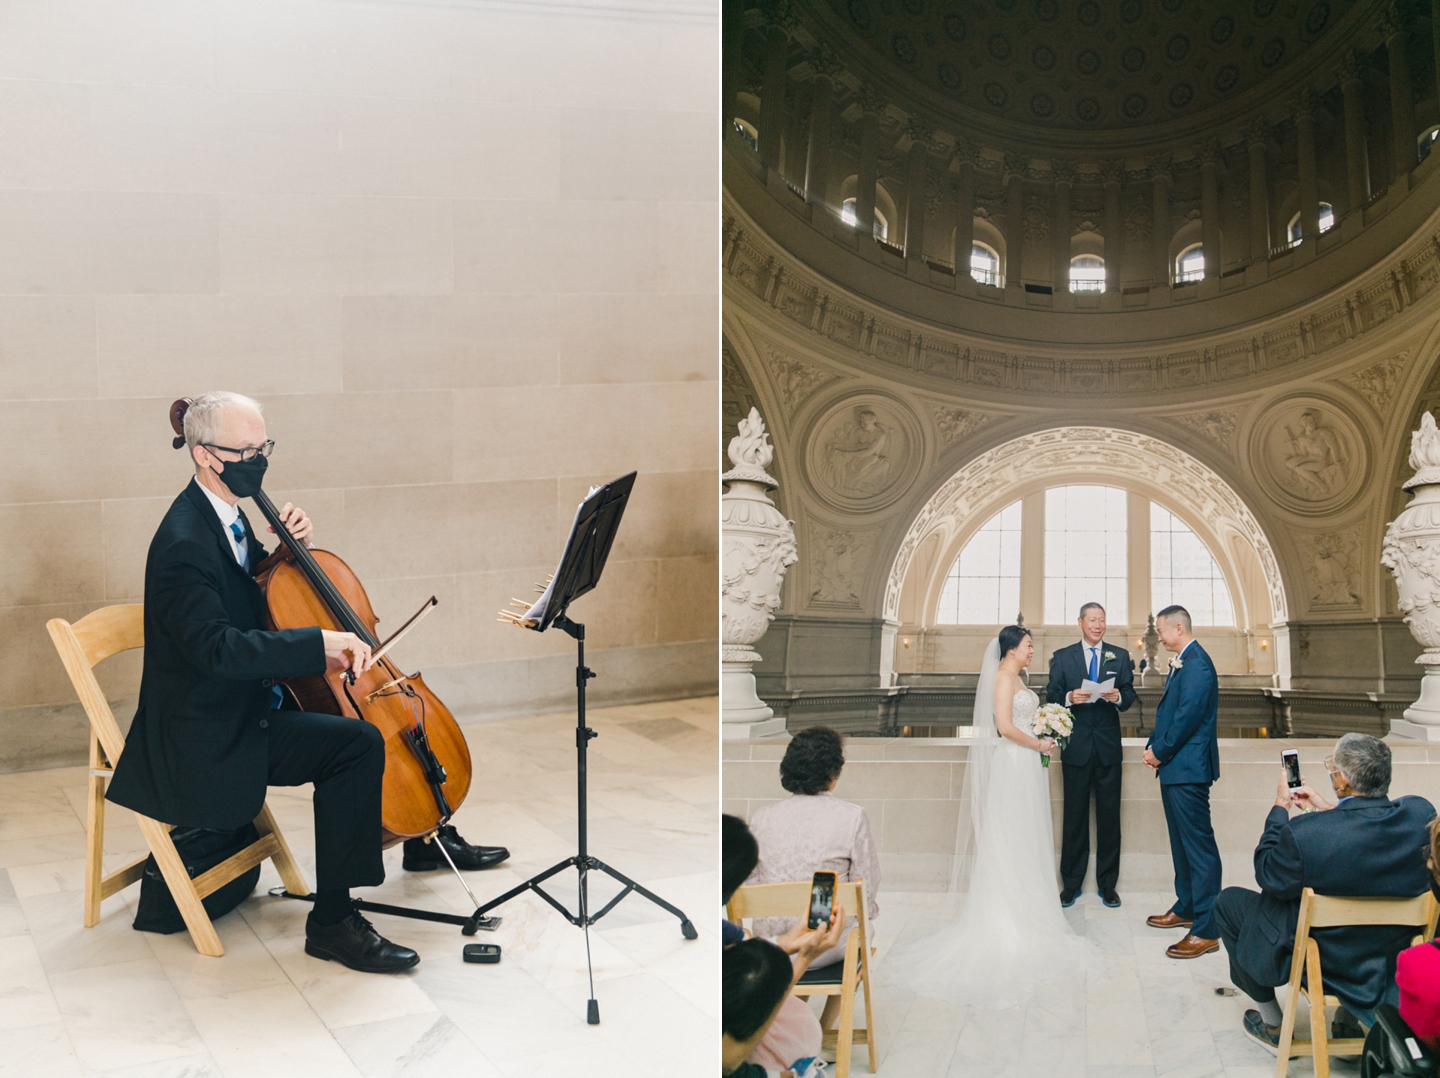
x: 112, y: 1001
x: 1143, y: 1016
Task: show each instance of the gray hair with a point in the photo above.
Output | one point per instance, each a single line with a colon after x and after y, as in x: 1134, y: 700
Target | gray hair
x: 1088, y: 607
x: 1366, y: 763
x: 1176, y: 614
x: 202, y: 419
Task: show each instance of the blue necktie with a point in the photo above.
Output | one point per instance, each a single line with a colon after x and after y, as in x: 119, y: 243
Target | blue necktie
x: 1094, y: 664
x: 238, y: 530
x: 277, y: 696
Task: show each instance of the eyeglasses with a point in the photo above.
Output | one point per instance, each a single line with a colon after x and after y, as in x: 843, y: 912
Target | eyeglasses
x: 246, y: 455
x: 1330, y: 764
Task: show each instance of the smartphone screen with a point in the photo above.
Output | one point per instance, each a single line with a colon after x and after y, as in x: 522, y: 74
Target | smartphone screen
x: 822, y: 899
x: 1291, y: 759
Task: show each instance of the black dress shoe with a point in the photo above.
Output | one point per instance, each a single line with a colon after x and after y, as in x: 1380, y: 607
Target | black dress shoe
x: 422, y: 856
x: 1068, y: 896
x: 355, y: 943
x: 1109, y: 897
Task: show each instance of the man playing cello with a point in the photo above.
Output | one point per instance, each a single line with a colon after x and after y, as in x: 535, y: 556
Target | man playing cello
x: 213, y: 728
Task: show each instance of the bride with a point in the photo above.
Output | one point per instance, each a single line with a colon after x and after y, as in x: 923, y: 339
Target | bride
x: 1011, y: 935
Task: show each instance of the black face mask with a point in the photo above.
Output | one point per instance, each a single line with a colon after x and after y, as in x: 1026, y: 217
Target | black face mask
x: 244, y: 477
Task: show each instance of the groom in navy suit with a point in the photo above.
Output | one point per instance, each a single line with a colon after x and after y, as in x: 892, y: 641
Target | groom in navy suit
x: 1184, y: 753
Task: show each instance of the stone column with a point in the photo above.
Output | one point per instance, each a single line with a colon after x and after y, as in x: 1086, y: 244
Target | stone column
x: 1160, y: 221
x: 1210, y: 208
x: 1111, y: 172
x: 964, y: 213
x: 869, y: 167
x: 1412, y: 545
x: 1014, y: 222
x: 1402, y: 109
x: 730, y: 31
x: 916, y: 169
x: 1304, y: 112
x: 759, y: 545
x: 1256, y: 136
x: 817, y: 158
x: 1357, y: 156
x: 772, y: 97
x: 1060, y: 226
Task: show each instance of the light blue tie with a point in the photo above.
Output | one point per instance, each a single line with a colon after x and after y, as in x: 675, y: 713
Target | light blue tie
x: 1095, y: 664
x: 238, y: 530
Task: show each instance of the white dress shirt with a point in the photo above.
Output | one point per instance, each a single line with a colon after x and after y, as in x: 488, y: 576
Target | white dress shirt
x: 228, y: 515
x: 1099, y: 650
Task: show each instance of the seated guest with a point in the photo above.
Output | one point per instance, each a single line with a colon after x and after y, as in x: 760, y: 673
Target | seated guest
x: 1417, y: 970
x: 1366, y: 844
x: 813, y: 831
x: 794, y: 1034
x: 738, y: 855
x: 755, y: 978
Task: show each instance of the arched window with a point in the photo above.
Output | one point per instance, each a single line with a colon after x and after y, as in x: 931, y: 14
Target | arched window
x: 1327, y: 222
x: 1087, y: 273
x: 1190, y: 266
x: 1182, y: 570
x: 847, y: 214
x: 747, y: 133
x: 1085, y: 553
x: 985, y: 265
x: 983, y: 586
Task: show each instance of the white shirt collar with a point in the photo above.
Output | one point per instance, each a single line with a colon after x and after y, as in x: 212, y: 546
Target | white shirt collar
x: 227, y: 513
x: 1085, y: 646
x: 1186, y: 648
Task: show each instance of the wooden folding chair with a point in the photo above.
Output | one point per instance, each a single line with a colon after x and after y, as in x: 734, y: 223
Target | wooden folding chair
x: 784, y: 900
x: 1326, y: 911
x: 83, y: 645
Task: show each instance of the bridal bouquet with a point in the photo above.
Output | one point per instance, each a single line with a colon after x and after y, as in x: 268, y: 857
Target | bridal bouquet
x: 1053, y: 720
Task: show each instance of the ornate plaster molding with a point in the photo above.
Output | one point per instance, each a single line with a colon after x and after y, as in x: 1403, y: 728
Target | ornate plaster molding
x: 1103, y: 452
x: 1296, y: 342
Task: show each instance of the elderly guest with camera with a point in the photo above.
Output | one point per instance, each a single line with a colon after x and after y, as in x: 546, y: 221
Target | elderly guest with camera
x: 1364, y: 844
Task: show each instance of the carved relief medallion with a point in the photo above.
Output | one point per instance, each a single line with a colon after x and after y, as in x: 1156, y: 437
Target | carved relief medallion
x: 863, y: 452
x: 1309, y: 455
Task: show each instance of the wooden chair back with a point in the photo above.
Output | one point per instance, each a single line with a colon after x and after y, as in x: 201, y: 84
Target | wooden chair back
x: 793, y: 900
x: 1335, y: 911
x: 82, y: 646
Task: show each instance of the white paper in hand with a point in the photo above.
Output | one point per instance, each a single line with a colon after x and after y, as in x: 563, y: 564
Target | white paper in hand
x: 1096, y: 689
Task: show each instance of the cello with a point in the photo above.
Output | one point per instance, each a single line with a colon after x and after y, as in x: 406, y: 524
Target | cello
x: 427, y: 761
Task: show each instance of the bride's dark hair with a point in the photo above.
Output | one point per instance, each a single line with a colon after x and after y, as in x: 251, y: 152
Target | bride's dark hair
x: 1010, y: 638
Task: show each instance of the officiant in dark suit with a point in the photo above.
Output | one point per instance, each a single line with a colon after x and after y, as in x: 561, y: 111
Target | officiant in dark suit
x: 1091, y: 761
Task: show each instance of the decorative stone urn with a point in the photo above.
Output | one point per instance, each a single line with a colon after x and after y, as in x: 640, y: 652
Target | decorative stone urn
x: 1412, y: 553
x: 759, y: 545
x: 1150, y: 647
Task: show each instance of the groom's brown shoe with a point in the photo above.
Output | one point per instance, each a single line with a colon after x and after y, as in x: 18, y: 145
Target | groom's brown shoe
x: 1168, y: 919
x: 1192, y: 946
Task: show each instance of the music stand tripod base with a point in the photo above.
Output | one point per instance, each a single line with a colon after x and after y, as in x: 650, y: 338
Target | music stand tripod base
x: 582, y: 862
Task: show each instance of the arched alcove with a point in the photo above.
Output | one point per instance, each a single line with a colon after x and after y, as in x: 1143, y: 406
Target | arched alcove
x: 1146, y: 467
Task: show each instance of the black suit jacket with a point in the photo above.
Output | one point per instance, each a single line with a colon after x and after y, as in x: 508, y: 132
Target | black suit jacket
x: 1097, y: 724
x: 1363, y: 846
x: 197, y: 753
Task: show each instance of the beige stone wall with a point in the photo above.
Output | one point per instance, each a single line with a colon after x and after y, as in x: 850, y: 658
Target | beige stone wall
x: 910, y: 788
x: 466, y: 255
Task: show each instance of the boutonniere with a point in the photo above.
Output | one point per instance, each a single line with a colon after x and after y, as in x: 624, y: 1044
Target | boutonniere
x: 1176, y: 664
x: 1109, y: 655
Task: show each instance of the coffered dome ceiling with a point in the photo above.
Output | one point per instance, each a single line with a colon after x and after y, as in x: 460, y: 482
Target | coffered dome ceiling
x: 1136, y: 66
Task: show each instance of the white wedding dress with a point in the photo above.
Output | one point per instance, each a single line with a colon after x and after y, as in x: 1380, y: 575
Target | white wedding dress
x: 1011, y: 935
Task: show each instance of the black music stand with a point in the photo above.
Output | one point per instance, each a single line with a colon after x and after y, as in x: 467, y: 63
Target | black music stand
x: 591, y: 537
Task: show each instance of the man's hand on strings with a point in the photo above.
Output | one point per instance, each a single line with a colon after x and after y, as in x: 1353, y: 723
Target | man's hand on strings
x: 346, y: 651
x: 296, y: 523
